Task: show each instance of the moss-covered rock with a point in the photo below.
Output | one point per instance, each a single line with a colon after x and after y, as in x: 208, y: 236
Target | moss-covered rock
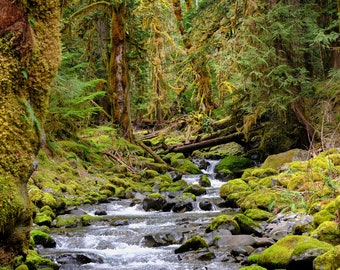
x: 259, y: 172
x: 233, y: 186
x: 204, y: 181
x: 328, y: 260
x: 34, y: 261
x: 193, y: 243
x: 42, y: 238
x: 276, y: 161
x: 223, y: 221
x: 279, y: 255
x: 233, y: 164
x: 254, y: 267
x: 265, y: 199
x: 195, y: 189
x: 257, y: 214
x: 327, y: 231
x: 247, y: 225
x: 322, y: 216
x: 67, y: 221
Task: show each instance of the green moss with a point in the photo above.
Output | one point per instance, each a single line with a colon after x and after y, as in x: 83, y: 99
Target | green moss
x: 233, y: 186
x: 195, y: 189
x: 276, y: 161
x: 204, y: 181
x: 193, y: 243
x: 259, y: 172
x: 185, y: 165
x: 67, y: 221
x: 34, y: 261
x: 327, y: 231
x: 246, y: 224
x: 255, y: 267
x: 257, y: 214
x: 233, y: 164
x: 175, y: 186
x: 321, y: 217
x: 265, y: 199
x: 253, y: 258
x: 220, y: 220
x: 328, y: 260
x: 278, y: 255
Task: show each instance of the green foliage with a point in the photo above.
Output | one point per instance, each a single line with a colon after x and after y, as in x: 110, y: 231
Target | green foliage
x: 71, y: 101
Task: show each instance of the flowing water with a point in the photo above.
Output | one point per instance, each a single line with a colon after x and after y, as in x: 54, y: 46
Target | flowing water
x: 122, y: 246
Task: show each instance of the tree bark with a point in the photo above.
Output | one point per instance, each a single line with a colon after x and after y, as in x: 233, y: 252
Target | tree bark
x: 118, y: 81
x: 29, y: 59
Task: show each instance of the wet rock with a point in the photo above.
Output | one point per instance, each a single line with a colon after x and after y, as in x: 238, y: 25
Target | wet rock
x: 203, y: 164
x: 204, y: 181
x: 67, y: 221
x: 153, y: 201
x: 100, y: 213
x: 162, y: 239
x: 205, y: 205
x: 241, y: 250
x: 304, y: 260
x: 181, y: 207
x: 263, y: 242
x: 42, y: 238
x: 78, y: 259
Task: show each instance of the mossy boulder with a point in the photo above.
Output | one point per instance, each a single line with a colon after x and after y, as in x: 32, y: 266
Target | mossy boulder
x: 195, y: 189
x: 220, y: 151
x: 232, y: 164
x: 327, y: 231
x: 44, y: 216
x: 321, y: 217
x: 278, y: 160
x: 259, y: 172
x: 247, y: 225
x: 223, y: 221
x: 279, y: 255
x: 205, y: 181
x: 233, y: 186
x: 67, y: 221
x: 257, y: 214
x: 194, y: 243
x: 42, y: 238
x: 186, y: 165
x: 34, y: 261
x: 265, y: 199
x: 153, y: 201
x: 328, y: 260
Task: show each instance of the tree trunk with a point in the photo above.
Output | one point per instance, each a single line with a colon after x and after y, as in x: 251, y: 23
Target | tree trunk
x: 205, y: 98
x: 26, y: 71
x: 118, y: 81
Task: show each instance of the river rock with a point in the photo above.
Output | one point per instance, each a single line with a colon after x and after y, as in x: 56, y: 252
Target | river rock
x: 205, y: 205
x: 278, y: 161
x: 162, y: 239
x: 78, y: 259
x: 284, y: 224
x: 195, y: 189
x: 153, y: 202
x: 194, y: 243
x: 231, y: 241
x: 294, y: 250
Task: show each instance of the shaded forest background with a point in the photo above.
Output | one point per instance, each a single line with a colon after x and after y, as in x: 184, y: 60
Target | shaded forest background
x: 272, y: 64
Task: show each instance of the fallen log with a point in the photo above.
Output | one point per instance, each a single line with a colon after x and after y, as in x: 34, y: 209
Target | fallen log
x: 189, y: 148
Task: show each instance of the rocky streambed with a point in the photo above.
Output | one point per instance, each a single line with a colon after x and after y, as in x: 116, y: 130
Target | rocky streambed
x: 255, y: 221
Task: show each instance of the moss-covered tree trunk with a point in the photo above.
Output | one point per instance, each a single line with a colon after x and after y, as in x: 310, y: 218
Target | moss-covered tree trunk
x: 118, y: 81
x: 205, y: 97
x: 29, y: 58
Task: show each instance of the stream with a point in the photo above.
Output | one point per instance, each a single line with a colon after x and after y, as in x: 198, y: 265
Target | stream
x: 122, y: 242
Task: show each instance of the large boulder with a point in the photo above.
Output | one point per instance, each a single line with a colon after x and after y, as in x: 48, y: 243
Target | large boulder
x: 292, y: 251
x: 328, y: 260
x: 154, y: 201
x: 193, y: 243
x: 277, y: 161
